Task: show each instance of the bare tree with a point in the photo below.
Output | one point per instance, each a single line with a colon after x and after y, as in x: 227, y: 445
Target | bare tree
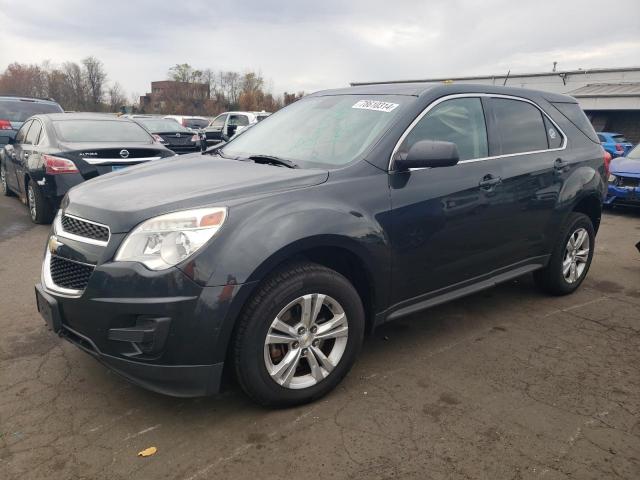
x: 94, y: 77
x: 74, y: 89
x: 117, y: 97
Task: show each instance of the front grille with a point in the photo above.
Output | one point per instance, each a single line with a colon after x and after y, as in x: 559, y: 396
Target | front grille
x: 628, y: 182
x: 85, y: 229
x: 69, y: 274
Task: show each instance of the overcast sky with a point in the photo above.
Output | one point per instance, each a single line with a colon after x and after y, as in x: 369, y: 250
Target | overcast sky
x: 308, y: 46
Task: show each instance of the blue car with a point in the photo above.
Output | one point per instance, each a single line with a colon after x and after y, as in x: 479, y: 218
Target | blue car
x: 615, y: 143
x: 624, y: 180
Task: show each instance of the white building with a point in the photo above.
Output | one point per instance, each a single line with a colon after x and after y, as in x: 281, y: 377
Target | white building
x: 609, y: 96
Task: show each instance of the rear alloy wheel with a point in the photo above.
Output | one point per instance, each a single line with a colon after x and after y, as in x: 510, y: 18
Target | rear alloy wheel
x: 571, y: 257
x: 3, y: 181
x: 298, y: 336
x: 39, y: 209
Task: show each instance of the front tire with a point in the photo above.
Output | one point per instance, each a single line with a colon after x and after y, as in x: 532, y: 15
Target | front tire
x: 40, y: 210
x: 298, y: 336
x: 571, y: 257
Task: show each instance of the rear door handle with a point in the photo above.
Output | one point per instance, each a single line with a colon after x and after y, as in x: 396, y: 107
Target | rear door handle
x: 489, y: 181
x: 560, y: 164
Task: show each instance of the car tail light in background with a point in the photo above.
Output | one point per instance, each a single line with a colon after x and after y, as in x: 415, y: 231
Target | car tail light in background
x: 5, y: 125
x: 607, y: 162
x: 56, y: 165
x: 158, y: 138
x: 619, y: 147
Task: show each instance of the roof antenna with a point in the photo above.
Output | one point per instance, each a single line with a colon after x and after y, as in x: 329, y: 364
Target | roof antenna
x: 506, y: 78
x: 555, y: 64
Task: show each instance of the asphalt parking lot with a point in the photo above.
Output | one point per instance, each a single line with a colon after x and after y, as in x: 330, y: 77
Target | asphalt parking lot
x: 506, y: 384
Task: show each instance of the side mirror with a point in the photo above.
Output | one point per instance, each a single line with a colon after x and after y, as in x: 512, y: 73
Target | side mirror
x: 428, y: 153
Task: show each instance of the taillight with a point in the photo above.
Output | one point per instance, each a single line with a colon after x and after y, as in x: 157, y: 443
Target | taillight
x: 158, y: 138
x: 619, y: 147
x: 5, y: 125
x: 56, y: 165
x: 607, y: 163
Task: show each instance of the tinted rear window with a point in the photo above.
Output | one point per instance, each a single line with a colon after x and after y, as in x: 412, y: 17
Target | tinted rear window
x: 575, y: 115
x: 196, y: 123
x: 100, y: 131
x: 161, y: 125
x: 20, y: 110
x: 620, y: 139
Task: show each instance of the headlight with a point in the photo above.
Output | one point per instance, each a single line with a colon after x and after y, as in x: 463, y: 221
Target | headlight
x: 612, y: 178
x: 164, y: 241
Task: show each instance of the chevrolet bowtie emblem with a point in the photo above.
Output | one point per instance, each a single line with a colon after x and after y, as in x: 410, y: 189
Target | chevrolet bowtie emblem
x: 54, y: 244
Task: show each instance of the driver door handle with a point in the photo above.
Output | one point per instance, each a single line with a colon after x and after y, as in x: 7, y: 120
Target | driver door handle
x: 489, y: 181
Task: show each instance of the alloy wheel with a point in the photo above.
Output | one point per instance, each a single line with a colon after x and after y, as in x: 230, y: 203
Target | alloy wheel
x: 31, y: 199
x: 576, y: 256
x: 306, y: 341
x: 3, y: 179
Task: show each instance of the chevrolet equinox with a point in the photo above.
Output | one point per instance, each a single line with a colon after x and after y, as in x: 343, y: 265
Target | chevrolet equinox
x: 270, y: 257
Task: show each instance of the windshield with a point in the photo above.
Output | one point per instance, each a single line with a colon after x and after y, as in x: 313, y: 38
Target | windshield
x: 323, y: 131
x: 20, y: 110
x: 159, y: 125
x: 100, y: 131
x: 634, y: 154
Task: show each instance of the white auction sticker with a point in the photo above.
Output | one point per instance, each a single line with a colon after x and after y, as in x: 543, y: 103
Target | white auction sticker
x: 375, y: 105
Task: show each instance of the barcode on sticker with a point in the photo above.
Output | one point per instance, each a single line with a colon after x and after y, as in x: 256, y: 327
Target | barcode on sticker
x: 375, y: 105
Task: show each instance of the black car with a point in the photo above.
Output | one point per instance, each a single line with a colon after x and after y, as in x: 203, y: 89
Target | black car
x: 52, y: 153
x: 345, y: 210
x: 170, y: 133
x: 14, y: 111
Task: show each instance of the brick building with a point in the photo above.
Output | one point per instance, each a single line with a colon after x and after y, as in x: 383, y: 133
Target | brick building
x: 167, y: 94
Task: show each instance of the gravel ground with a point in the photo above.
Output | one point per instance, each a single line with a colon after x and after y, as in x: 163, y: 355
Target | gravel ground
x: 505, y: 384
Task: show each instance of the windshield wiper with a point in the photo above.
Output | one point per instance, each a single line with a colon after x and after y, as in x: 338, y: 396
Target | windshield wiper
x: 215, y: 150
x: 271, y: 160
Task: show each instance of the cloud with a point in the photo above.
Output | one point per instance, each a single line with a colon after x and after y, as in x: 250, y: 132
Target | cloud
x: 314, y: 45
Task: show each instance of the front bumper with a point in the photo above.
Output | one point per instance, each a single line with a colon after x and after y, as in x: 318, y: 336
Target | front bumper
x: 159, y: 330
x: 622, y: 196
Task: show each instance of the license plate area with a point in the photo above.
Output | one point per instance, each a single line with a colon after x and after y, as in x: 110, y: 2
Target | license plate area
x: 115, y: 168
x: 49, y: 310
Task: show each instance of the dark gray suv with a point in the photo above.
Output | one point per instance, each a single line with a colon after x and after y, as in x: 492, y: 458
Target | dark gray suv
x: 271, y: 258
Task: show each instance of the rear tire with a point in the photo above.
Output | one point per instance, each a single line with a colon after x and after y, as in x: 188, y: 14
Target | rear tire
x: 284, y: 358
x: 40, y: 210
x: 3, y: 181
x: 571, y: 257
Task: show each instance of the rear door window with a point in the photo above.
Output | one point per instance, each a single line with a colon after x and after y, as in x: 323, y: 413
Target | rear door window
x: 34, y: 133
x: 520, y: 126
x: 554, y: 137
x: 460, y: 121
x: 22, y: 133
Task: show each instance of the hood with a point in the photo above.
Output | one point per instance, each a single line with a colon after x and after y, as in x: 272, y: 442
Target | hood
x: 625, y: 165
x: 125, y: 198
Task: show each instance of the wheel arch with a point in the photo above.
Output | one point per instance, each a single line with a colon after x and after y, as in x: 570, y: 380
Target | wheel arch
x: 591, y: 206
